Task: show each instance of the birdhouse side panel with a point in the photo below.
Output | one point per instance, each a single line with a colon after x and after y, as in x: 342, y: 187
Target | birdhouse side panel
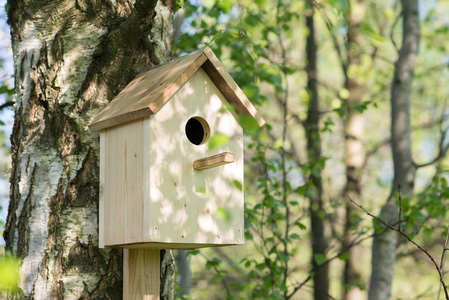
x: 195, y: 207
x: 122, y: 184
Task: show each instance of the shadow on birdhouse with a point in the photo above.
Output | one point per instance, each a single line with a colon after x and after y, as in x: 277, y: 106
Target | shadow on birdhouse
x: 165, y: 180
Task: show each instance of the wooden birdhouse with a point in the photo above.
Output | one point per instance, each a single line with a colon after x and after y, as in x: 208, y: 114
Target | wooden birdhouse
x: 162, y: 183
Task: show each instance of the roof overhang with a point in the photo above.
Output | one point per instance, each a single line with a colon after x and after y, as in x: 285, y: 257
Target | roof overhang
x: 149, y: 91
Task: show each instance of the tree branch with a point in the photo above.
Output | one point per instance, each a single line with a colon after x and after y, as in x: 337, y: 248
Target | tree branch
x: 6, y: 104
x: 411, y: 241
x: 354, y: 243
x: 441, y: 152
x: 396, y: 20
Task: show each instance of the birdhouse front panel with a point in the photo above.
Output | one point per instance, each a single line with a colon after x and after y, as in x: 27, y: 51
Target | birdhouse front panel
x: 203, y: 206
x: 154, y: 197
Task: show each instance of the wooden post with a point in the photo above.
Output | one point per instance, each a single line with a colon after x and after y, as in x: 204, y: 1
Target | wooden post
x: 141, y: 274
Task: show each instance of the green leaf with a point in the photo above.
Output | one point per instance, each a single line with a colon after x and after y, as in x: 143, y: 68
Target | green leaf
x: 179, y: 4
x: 301, y: 225
x: 316, y: 173
x: 248, y: 123
x: 238, y: 185
x: 340, y: 111
x: 294, y: 236
x: 6, y: 90
x: 225, y: 5
x: 343, y: 256
x: 194, y: 252
x: 261, y: 266
x: 319, y: 258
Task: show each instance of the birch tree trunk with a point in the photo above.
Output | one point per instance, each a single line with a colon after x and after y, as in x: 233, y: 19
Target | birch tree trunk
x: 384, y: 245
x: 319, y: 243
x: 70, y: 58
x: 354, y: 150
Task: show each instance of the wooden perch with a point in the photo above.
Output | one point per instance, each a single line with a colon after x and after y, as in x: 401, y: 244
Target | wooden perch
x: 214, y: 161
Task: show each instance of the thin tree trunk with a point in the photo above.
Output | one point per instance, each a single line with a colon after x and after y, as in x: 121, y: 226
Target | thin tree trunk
x: 70, y: 59
x: 384, y: 245
x: 354, y: 150
x: 185, y: 275
x: 319, y: 243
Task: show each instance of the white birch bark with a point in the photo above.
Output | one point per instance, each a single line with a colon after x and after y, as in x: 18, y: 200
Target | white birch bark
x: 384, y: 245
x: 70, y: 59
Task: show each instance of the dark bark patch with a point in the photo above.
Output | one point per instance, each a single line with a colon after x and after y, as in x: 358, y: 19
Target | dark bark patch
x: 110, y: 285
x: 57, y: 49
x: 86, y: 258
x: 22, y: 68
x: 23, y: 222
x: 83, y: 190
x: 54, y: 226
x: 60, y: 132
x: 60, y: 290
x: 14, y: 181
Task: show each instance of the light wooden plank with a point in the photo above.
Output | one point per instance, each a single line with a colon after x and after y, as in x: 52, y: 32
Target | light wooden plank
x: 124, y: 179
x: 114, y: 189
x: 102, y: 185
x: 214, y: 161
x: 146, y: 179
x: 133, y: 158
x: 141, y: 270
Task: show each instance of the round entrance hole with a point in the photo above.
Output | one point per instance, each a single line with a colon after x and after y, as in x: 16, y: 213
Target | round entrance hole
x: 197, y: 130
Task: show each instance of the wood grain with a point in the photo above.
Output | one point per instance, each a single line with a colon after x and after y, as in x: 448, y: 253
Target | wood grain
x: 123, y: 184
x: 214, y: 161
x: 102, y: 184
x: 141, y: 274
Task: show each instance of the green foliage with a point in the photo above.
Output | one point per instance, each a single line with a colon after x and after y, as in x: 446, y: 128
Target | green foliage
x: 261, y: 47
x: 9, y: 273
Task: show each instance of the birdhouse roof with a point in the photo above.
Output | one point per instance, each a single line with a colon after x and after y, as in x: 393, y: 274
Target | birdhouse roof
x: 150, y: 90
